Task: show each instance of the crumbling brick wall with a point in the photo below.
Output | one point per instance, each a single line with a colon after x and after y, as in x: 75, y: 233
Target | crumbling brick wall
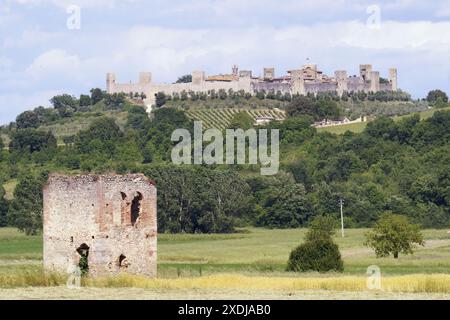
x: 109, y: 218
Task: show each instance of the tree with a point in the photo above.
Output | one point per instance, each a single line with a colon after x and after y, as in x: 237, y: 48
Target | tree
x: 242, y: 120
x: 185, y: 79
x: 301, y: 105
x: 200, y: 200
x: 3, y: 208
x: 160, y: 99
x: 434, y: 95
x: 138, y: 119
x: 101, y: 136
x: 27, y: 119
x: 327, y: 109
x: 288, y: 208
x: 85, y: 100
x: 394, y: 234
x: 32, y: 140
x: 97, y: 95
x: 115, y: 101
x: 65, y: 104
x: 440, y: 103
x: 26, y: 208
x: 322, y: 227
x: 45, y: 115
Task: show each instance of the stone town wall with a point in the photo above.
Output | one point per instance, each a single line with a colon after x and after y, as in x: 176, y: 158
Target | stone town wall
x: 368, y: 80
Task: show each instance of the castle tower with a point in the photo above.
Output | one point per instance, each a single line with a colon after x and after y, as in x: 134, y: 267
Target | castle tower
x: 393, y: 78
x: 342, y: 81
x: 145, y: 77
x: 110, y: 220
x: 235, y: 70
x: 374, y: 81
x: 297, y: 82
x: 110, y: 82
x: 365, y: 70
x: 198, y: 77
x: 269, y: 74
x: 245, y: 80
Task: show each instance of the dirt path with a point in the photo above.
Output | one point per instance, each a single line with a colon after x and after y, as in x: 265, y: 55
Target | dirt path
x: 143, y: 294
x: 364, y: 251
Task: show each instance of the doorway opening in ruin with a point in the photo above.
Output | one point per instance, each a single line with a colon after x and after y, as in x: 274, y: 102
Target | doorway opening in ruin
x: 123, y: 262
x: 136, y: 208
x: 83, y: 264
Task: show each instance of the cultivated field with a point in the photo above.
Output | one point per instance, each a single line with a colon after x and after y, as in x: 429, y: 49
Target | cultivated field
x: 244, y: 265
x: 359, y: 127
x: 221, y: 118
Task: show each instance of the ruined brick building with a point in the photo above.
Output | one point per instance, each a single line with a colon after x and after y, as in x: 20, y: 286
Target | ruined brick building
x: 108, y: 220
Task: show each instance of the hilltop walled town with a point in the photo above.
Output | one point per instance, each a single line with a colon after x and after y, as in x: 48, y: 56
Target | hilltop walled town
x: 306, y: 80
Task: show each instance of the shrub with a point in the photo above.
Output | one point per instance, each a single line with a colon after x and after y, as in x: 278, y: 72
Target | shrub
x: 319, y: 252
x: 319, y: 255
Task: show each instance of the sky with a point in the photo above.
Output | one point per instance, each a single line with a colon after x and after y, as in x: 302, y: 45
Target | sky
x: 49, y: 47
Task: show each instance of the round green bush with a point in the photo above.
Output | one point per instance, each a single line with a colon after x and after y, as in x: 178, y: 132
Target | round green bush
x: 320, y: 255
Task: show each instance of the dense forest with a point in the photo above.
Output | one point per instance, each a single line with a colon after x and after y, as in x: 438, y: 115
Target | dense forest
x: 401, y: 167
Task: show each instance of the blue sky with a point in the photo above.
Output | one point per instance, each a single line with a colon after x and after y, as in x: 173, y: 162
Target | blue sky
x: 41, y: 57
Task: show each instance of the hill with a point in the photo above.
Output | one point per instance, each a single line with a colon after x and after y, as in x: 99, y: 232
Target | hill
x: 221, y: 118
x: 359, y: 127
x: 81, y: 121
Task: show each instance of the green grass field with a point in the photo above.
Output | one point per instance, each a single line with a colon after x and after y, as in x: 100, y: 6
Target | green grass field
x: 71, y: 126
x: 258, y: 251
x: 359, y: 127
x: 248, y: 265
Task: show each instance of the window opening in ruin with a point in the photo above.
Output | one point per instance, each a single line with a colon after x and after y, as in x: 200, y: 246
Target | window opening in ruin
x: 71, y: 239
x: 83, y: 251
x: 123, y: 263
x: 136, y: 208
x: 124, y: 196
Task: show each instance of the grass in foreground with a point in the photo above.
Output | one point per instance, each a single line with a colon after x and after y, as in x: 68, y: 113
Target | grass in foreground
x: 417, y: 283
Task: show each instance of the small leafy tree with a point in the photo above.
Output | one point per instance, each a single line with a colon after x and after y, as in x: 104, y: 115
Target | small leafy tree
x: 85, y: 100
x: 27, y: 119
x: 394, y: 234
x: 440, y: 103
x: 32, y: 140
x: 321, y: 228
x: 434, y: 95
x: 242, y: 120
x: 160, y: 98
x: 96, y: 95
x: 185, y: 79
x: 3, y: 208
x: 65, y: 104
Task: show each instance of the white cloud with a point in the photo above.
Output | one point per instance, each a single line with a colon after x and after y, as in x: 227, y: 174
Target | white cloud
x: 81, y: 3
x: 12, y: 105
x: 55, y: 61
x: 67, y: 61
x: 30, y: 38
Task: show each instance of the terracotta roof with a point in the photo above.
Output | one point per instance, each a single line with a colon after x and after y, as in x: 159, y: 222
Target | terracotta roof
x: 222, y: 77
